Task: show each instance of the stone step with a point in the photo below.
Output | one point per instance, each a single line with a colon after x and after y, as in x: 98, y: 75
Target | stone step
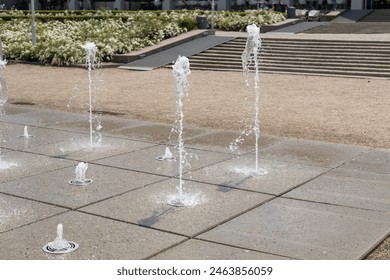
x: 294, y: 61
x: 299, y: 56
x: 265, y: 64
x: 301, y: 71
x: 309, y: 52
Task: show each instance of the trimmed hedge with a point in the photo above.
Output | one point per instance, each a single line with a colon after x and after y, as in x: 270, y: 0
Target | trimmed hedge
x: 60, y: 34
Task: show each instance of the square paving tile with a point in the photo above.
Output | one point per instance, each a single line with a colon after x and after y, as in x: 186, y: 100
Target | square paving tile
x: 209, y: 206
x: 15, y: 165
x: 80, y: 148
x: 159, y: 133
x: 312, y: 152
x: 200, y: 250
x: 220, y: 141
x: 376, y: 160
x: 145, y: 160
x: 99, y: 238
x: 357, y: 189
x: 11, y: 136
x: 53, y: 187
x: 16, y: 212
x: 305, y: 230
x: 238, y: 173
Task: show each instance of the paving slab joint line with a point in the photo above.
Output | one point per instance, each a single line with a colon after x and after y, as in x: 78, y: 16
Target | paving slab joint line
x: 325, y: 172
x: 116, y: 195
x: 232, y: 217
x: 120, y: 154
x: 131, y: 223
x: 332, y: 204
x: 39, y: 220
x: 244, y: 248
x: 168, y: 248
x: 134, y: 170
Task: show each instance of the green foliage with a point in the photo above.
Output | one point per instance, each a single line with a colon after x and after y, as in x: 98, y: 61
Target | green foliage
x: 60, y: 34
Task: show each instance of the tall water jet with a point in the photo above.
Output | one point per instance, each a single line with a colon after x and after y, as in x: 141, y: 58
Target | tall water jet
x: 250, y: 57
x: 80, y: 171
x: 60, y: 245
x: 181, y: 69
x: 3, y: 84
x: 90, y: 62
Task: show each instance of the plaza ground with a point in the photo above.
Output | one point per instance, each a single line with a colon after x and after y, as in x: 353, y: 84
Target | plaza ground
x: 122, y: 215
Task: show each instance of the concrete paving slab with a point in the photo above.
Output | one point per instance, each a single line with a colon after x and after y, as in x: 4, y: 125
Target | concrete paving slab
x: 109, y: 124
x: 10, y: 136
x: 145, y: 160
x: 363, y: 190
x: 15, y: 165
x: 159, y: 133
x: 80, y: 148
x: 209, y: 206
x: 54, y: 188
x: 220, y: 141
x: 200, y: 250
x: 238, y: 173
x: 305, y: 230
x: 313, y: 152
x: 36, y: 117
x: 99, y: 238
x: 375, y: 160
x: 16, y: 212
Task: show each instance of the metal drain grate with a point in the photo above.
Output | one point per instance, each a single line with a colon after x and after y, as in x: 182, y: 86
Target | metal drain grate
x: 80, y: 183
x: 72, y: 247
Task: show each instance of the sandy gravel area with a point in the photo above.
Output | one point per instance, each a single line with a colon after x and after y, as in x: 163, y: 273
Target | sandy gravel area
x: 341, y: 110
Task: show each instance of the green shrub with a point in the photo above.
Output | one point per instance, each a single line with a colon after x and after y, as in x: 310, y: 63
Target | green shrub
x: 60, y: 34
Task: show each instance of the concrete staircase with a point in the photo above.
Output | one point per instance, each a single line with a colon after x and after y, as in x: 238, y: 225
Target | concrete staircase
x: 294, y: 56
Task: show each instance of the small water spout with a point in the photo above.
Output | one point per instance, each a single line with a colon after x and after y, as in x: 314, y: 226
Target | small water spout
x: 26, y: 135
x: 60, y: 245
x: 167, y: 156
x: 80, y: 171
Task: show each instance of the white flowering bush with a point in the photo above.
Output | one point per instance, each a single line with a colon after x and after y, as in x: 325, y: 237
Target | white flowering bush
x: 60, y: 35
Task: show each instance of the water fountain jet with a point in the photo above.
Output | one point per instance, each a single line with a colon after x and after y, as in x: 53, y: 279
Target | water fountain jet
x: 80, y: 171
x: 181, y: 69
x: 90, y: 62
x: 25, y: 133
x: 167, y: 156
x: 249, y: 57
x: 3, y: 84
x: 60, y: 245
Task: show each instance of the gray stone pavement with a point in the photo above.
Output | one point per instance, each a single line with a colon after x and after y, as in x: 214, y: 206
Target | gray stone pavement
x: 318, y: 201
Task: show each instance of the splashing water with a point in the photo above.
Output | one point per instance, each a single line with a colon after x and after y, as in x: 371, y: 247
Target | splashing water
x: 60, y: 245
x: 249, y: 57
x: 181, y: 69
x: 90, y: 62
x: 80, y: 171
x: 167, y: 156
